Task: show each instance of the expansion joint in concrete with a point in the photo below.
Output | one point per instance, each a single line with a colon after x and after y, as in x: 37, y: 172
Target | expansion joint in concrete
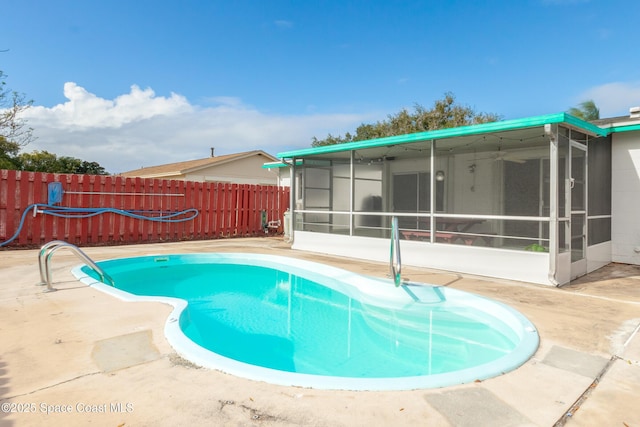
x: 50, y: 386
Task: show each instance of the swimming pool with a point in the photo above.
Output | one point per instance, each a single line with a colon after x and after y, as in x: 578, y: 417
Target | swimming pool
x: 294, y: 322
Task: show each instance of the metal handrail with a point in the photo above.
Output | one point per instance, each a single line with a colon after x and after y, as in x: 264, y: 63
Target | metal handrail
x: 395, y: 263
x: 44, y: 262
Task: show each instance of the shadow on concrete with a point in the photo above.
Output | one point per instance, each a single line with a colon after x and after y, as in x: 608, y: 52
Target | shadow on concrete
x: 610, y: 272
x: 4, y: 391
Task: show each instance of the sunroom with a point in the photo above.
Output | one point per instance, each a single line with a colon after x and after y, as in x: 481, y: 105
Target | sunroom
x: 526, y: 199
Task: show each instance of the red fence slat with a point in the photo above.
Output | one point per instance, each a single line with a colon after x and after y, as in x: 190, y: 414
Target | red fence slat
x: 218, y: 204
x: 10, y: 210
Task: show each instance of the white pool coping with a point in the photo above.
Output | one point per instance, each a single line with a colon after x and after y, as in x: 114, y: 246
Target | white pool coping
x: 363, y: 288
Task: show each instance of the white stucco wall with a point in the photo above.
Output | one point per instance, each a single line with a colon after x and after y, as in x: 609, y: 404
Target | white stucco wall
x: 247, y: 170
x: 532, y: 267
x: 625, y: 195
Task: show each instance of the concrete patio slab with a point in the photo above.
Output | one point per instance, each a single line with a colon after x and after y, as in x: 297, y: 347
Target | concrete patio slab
x: 124, y: 351
x: 539, y: 391
x: 49, y: 373
x: 486, y: 407
x: 580, y: 363
x: 615, y: 396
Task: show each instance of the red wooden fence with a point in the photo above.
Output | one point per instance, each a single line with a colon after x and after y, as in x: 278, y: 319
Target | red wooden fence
x: 225, y: 210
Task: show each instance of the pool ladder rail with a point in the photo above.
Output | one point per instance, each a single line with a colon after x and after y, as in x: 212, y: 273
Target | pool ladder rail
x: 44, y: 262
x: 395, y: 263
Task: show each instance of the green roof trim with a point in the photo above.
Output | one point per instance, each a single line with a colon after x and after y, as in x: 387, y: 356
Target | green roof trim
x: 274, y: 165
x: 479, y: 129
x: 624, y: 128
x: 583, y: 125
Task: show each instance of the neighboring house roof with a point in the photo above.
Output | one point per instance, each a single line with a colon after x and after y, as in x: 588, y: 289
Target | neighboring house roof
x: 191, y: 166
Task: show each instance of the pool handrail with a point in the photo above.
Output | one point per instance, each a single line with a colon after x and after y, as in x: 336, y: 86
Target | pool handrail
x: 44, y: 263
x: 395, y: 262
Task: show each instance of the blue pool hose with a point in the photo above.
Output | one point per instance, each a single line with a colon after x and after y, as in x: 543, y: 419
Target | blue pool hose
x: 65, y: 212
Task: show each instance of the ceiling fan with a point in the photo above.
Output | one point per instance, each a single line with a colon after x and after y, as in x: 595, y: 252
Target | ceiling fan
x: 501, y: 155
x: 505, y: 156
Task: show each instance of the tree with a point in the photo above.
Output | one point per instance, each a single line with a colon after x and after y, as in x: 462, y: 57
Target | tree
x: 43, y: 161
x: 445, y: 113
x: 14, y: 134
x: 38, y: 161
x: 91, y: 168
x: 586, y: 110
x: 12, y: 104
x: 8, y: 153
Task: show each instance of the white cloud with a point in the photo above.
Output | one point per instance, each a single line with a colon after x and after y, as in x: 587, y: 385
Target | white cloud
x: 613, y: 99
x: 141, y: 129
x: 86, y: 110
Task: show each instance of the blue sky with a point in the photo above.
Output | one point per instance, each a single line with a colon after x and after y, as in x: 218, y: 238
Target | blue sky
x: 140, y: 83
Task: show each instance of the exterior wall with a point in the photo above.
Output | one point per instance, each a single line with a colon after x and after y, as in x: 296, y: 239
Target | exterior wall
x: 248, y: 170
x: 563, y: 268
x: 532, y: 267
x: 598, y: 256
x: 285, y: 180
x: 625, y: 227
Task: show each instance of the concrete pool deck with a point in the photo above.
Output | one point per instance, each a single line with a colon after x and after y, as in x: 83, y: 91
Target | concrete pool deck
x: 79, y: 356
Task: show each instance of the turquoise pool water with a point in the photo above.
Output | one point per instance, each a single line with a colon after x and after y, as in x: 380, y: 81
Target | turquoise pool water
x: 300, y: 323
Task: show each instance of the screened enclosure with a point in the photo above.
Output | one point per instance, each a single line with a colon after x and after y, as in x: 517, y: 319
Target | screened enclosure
x: 544, y: 188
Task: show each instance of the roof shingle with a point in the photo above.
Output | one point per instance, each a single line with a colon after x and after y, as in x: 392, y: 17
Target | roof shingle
x: 179, y: 168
